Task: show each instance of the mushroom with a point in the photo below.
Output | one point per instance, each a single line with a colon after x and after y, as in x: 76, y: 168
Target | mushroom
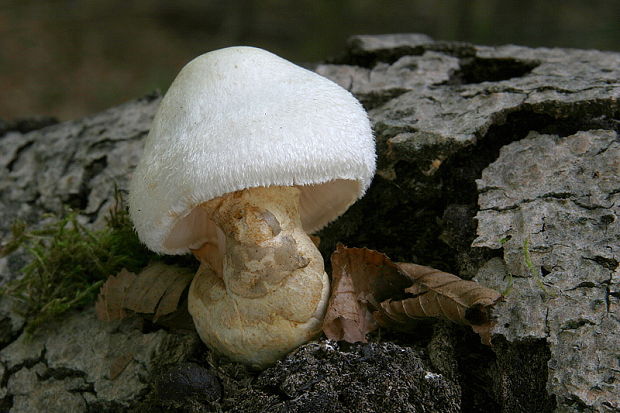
x: 247, y: 154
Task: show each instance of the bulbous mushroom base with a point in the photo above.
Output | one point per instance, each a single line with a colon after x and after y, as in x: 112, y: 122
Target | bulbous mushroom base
x: 267, y: 293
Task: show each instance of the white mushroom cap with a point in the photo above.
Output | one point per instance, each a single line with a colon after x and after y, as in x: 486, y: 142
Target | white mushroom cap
x: 242, y: 117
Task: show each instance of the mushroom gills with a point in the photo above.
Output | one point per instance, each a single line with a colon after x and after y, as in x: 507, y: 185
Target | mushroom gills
x: 261, y: 291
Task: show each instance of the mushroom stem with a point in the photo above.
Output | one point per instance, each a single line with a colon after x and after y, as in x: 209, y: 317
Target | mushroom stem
x: 268, y: 293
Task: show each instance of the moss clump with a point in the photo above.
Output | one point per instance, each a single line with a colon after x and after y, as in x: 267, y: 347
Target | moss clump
x: 69, y: 262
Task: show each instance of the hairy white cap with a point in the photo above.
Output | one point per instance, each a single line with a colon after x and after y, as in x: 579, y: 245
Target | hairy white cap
x: 242, y: 117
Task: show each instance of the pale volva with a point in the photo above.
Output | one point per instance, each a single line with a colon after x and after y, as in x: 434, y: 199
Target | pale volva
x: 246, y: 154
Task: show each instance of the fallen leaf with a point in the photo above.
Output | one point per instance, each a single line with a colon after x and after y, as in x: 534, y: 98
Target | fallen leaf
x: 346, y: 318
x: 109, y: 305
x: 368, y: 290
x: 152, y: 285
x: 170, y: 300
x: 179, y: 319
x: 118, y: 365
x: 361, y: 278
x: 156, y: 291
x: 441, y: 295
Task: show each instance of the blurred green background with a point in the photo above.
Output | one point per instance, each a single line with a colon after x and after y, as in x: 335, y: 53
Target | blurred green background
x: 68, y: 58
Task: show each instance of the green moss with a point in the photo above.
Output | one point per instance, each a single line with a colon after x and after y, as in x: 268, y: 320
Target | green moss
x: 69, y: 262
x: 527, y: 259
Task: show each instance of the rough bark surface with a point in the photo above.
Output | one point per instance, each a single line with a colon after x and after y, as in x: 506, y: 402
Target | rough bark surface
x: 82, y: 364
x: 500, y: 163
x: 557, y: 199
x: 74, y: 164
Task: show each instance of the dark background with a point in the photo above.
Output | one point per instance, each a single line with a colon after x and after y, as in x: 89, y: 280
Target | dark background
x: 69, y: 58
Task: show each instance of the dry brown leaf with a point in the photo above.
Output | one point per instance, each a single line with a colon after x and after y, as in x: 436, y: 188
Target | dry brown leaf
x: 360, y: 277
x: 109, y: 305
x: 346, y: 317
x: 153, y: 284
x: 441, y: 295
x: 118, y: 365
x: 179, y: 319
x: 170, y: 300
x: 156, y: 290
x: 368, y: 288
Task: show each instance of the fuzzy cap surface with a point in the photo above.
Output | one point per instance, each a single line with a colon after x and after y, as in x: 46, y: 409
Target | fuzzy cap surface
x: 243, y: 117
